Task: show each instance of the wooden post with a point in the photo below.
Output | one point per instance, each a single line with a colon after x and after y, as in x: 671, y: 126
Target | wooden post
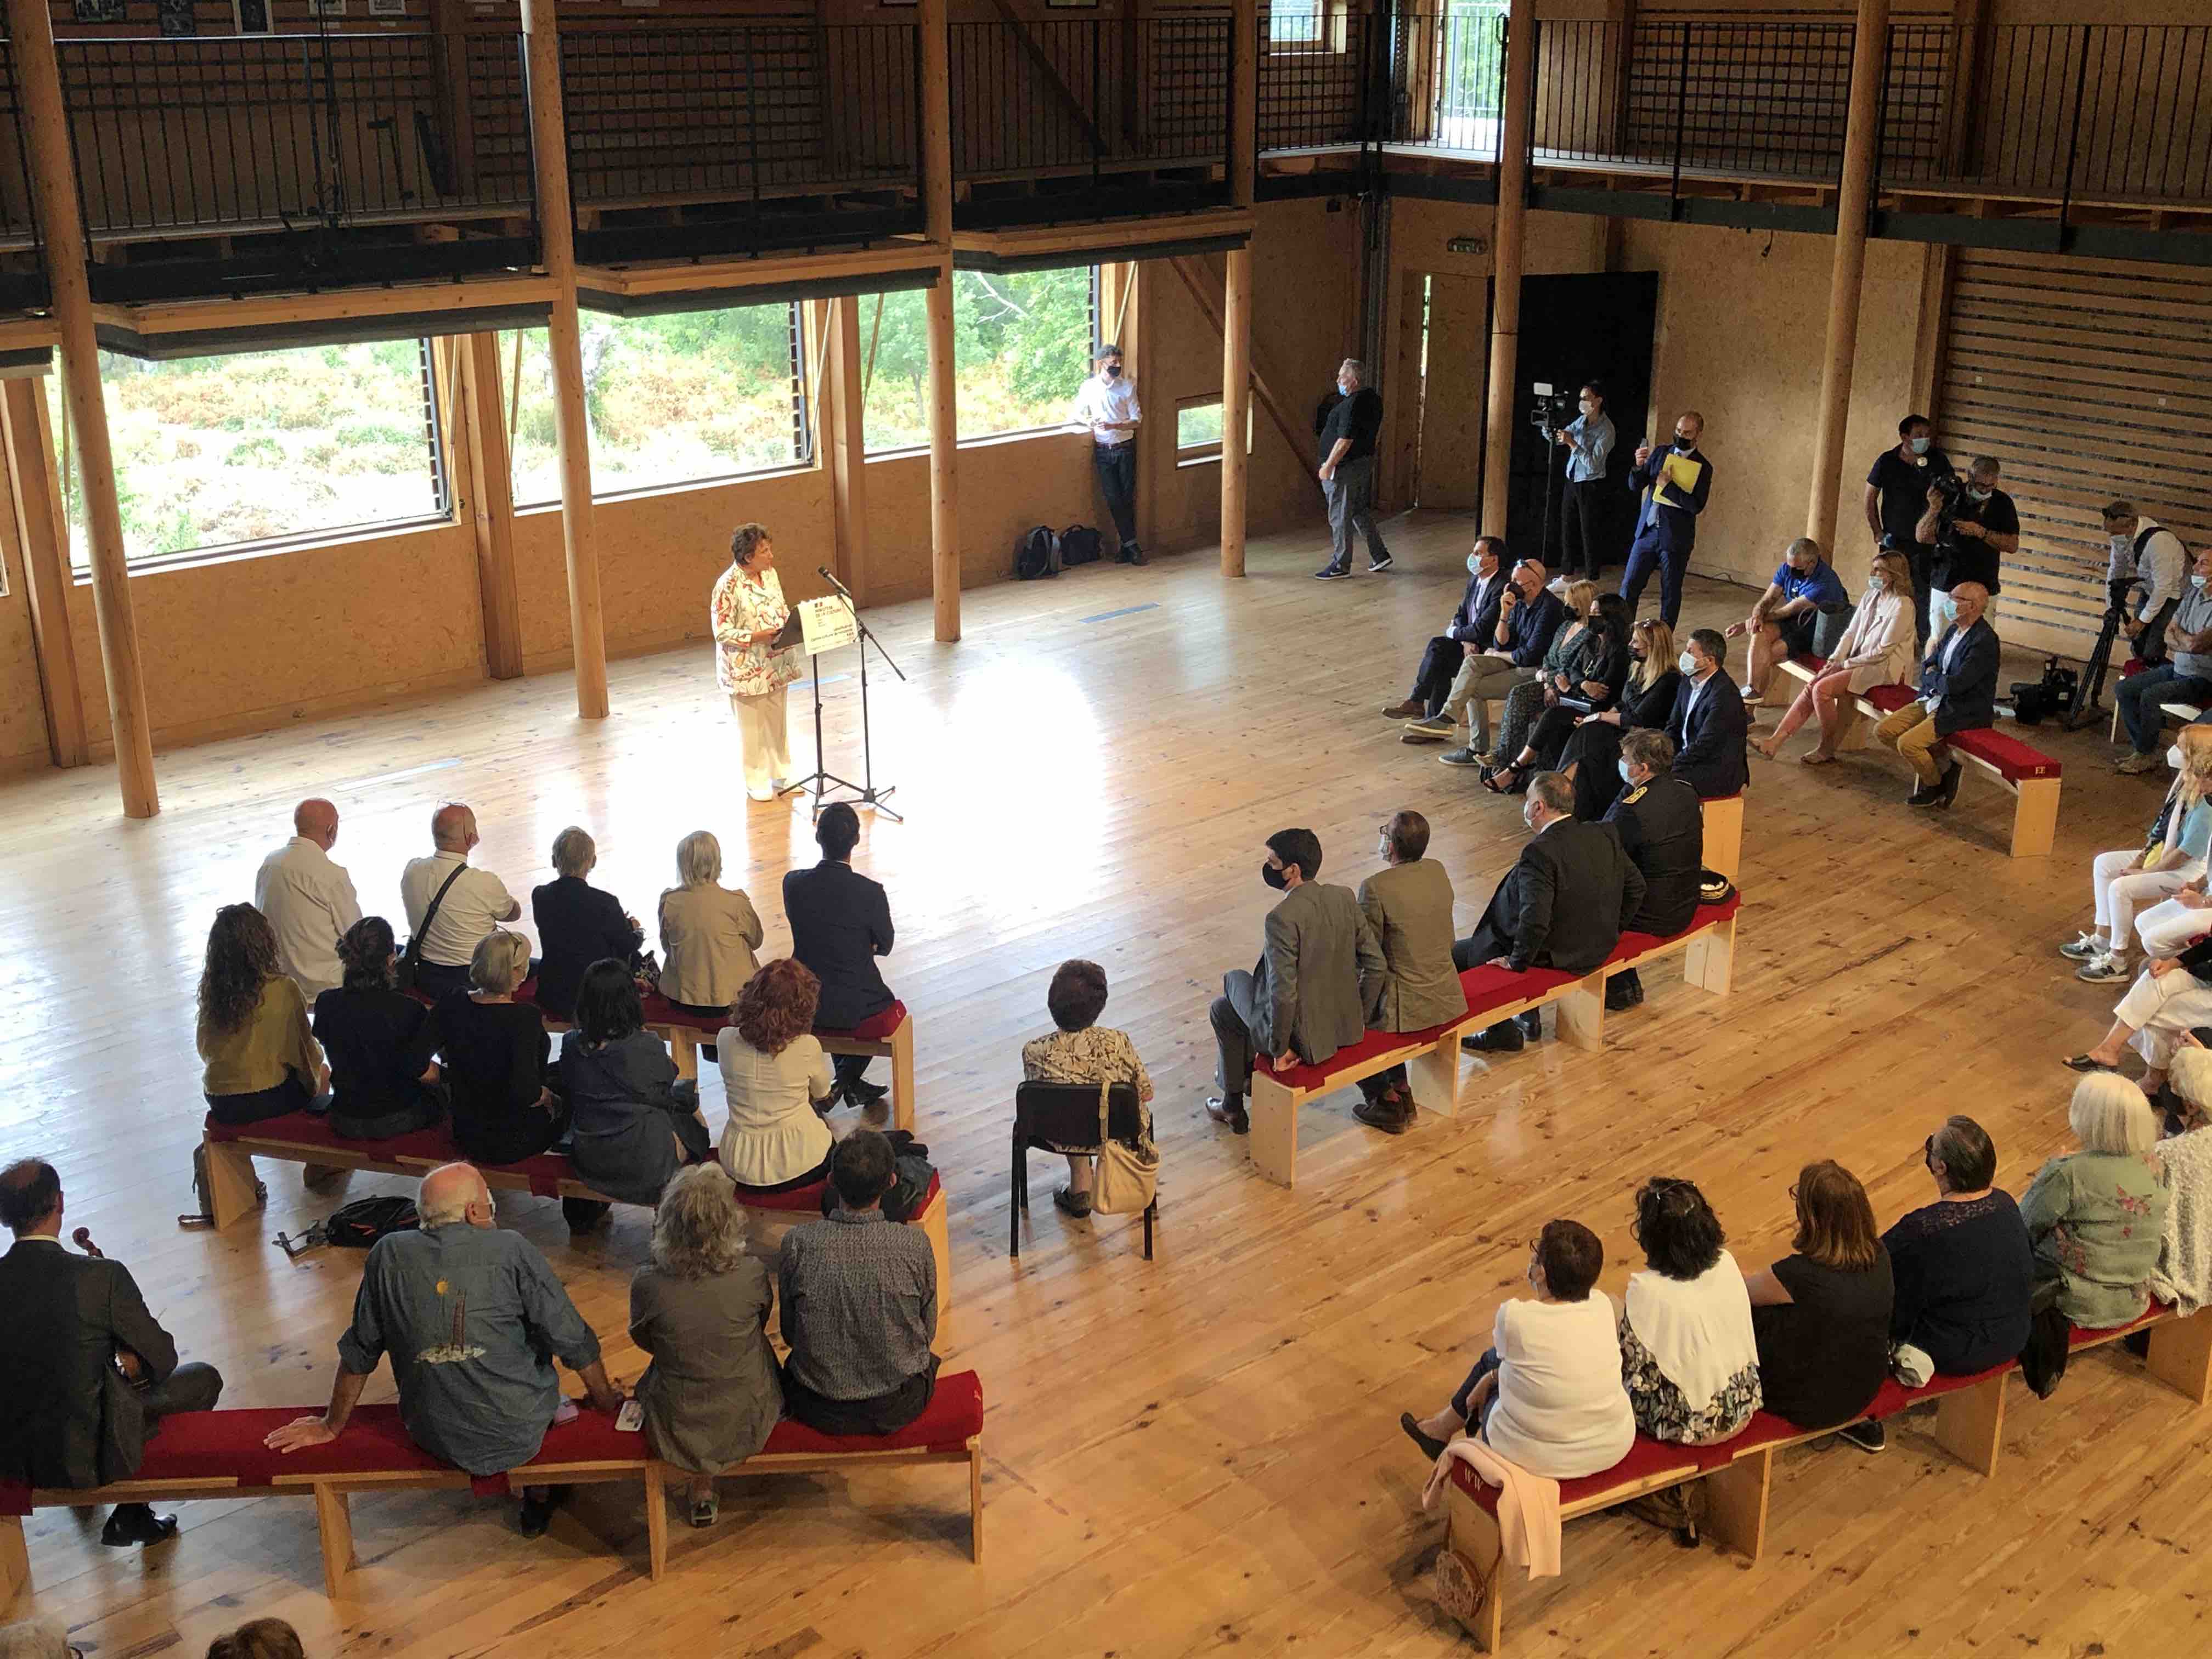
x: 486, y: 474
x: 1236, y: 295
x: 53, y: 182
x: 564, y: 343
x: 1853, y: 200
x: 840, y: 422
x: 41, y: 525
x: 1936, y: 266
x: 943, y: 407
x: 1509, y: 234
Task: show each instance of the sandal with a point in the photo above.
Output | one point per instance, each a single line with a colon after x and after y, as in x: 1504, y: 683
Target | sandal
x: 1489, y: 780
x: 2086, y: 1063
x: 1815, y: 757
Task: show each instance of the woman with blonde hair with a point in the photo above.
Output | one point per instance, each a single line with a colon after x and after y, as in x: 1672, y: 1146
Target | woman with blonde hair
x: 1574, y: 666
x: 1876, y: 649
x: 1821, y: 1314
x: 746, y: 612
x: 708, y: 933
x: 2096, y: 1217
x: 2170, y: 867
x: 700, y: 1307
x: 1592, y: 755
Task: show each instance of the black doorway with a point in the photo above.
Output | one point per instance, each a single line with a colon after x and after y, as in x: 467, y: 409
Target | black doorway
x: 1575, y: 329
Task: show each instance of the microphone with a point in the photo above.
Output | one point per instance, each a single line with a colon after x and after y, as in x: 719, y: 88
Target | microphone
x: 824, y: 572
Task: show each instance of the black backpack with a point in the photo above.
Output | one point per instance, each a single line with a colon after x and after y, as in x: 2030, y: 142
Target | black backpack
x: 1037, y: 554
x: 362, y: 1222
x: 1079, y: 544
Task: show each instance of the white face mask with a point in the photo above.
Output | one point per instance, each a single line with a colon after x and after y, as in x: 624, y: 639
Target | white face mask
x: 2174, y: 757
x: 2123, y: 543
x: 1920, y: 445
x: 2197, y: 581
x: 1686, y: 662
x: 1625, y: 778
x: 1529, y: 819
x: 1344, y: 388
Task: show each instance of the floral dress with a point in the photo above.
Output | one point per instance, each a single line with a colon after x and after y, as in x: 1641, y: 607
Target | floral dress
x: 740, y: 608
x: 1094, y: 1055
x: 2096, y: 1220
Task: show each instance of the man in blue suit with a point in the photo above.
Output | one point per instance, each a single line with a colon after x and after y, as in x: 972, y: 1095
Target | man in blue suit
x: 1673, y: 483
x: 1958, y: 693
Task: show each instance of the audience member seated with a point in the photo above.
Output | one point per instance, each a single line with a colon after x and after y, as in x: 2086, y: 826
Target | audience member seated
x: 1661, y: 827
x: 472, y: 1317
x: 383, y: 1080
x: 1687, y: 1351
x: 1546, y: 747
x: 858, y: 1295
x: 260, y: 1055
x: 1576, y: 665
x: 1876, y: 649
x: 840, y: 922
x: 1301, y: 1002
x: 470, y: 903
x: 2171, y: 997
x: 1708, y: 725
x: 308, y: 899
x: 1547, y: 1395
x: 495, y: 1053
x: 1408, y: 905
x: 1561, y: 905
x: 1958, y: 693
x: 708, y: 933
x: 258, y: 1638
x: 2171, y: 857
x: 1527, y: 616
x: 1784, y: 619
x: 1591, y: 754
x: 578, y: 924
x: 1083, y: 1051
x: 74, y: 1322
x: 1471, y: 629
x: 2186, y: 678
x: 2183, y: 1275
x: 2095, y: 1218
x: 1822, y: 1313
x: 778, y: 1082
x: 700, y: 1308
x: 631, y: 1122
x: 1963, y: 1273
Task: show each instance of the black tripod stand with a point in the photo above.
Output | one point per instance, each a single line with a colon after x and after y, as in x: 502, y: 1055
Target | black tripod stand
x: 2085, y: 711
x: 819, y: 781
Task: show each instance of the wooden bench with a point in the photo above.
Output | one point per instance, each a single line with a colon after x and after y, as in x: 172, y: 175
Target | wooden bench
x: 1723, y: 835
x: 684, y: 1033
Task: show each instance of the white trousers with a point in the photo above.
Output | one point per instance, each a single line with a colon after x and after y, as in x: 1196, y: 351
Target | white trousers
x: 2121, y: 892
x: 2160, y: 1008
x: 2168, y: 929
x: 765, y: 743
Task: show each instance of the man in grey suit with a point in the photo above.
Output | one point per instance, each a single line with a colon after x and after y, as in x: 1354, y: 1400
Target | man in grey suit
x: 1301, y: 1002
x: 1409, y: 906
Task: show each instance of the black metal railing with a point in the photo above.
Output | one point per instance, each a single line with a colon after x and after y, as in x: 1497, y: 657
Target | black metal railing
x: 783, y: 133
x: 1446, y: 76
x: 22, y: 262
x: 304, y: 141
x: 1124, y: 113
x: 1315, y: 87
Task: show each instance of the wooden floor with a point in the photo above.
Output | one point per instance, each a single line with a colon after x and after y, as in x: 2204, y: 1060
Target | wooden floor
x: 1201, y: 1453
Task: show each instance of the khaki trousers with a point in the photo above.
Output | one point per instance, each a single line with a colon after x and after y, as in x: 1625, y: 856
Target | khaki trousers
x: 1912, y: 732
x: 1479, y: 679
x: 767, y: 745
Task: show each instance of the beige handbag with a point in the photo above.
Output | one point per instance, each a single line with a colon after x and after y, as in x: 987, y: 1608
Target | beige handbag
x: 1126, y: 1175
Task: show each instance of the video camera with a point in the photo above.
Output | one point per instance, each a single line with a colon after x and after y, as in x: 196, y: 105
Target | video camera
x: 1551, y: 410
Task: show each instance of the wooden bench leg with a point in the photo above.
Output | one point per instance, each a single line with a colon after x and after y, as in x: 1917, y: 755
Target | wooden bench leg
x: 683, y: 1047
x: 975, y: 1500
x: 15, y: 1560
x: 1582, y: 1014
x: 2035, y: 818
x: 1709, y: 960
x: 656, y: 1518
x: 233, y: 1191
x: 334, y: 1525
x: 1853, y: 734
x: 1723, y: 835
x: 903, y: 1075
x: 1275, y: 1113
x: 1735, y: 1504
x: 1970, y: 1425
x: 2181, y: 1355
x: 1433, y: 1075
x: 932, y: 1223
x: 1473, y: 1531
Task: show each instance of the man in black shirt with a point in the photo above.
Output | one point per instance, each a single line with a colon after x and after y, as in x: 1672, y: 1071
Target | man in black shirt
x: 1896, y: 495
x: 1983, y: 532
x: 1346, y: 423
x: 1661, y: 826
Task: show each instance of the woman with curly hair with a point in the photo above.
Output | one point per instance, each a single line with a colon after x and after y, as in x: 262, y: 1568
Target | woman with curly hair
x: 778, y: 1080
x: 700, y: 1308
x: 1687, y: 1350
x: 746, y: 612
x: 261, y: 1059
x: 379, y: 1041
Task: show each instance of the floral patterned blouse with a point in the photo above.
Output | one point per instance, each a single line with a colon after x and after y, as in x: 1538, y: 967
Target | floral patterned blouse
x: 742, y: 607
x: 1663, y: 1413
x: 2096, y: 1220
x: 1096, y: 1054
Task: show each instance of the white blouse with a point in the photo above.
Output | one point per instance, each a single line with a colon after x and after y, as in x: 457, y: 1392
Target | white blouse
x: 1562, y: 1409
x: 774, y: 1134
x: 740, y: 608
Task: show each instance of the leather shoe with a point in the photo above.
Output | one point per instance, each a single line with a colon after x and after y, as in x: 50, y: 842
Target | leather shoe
x: 1388, y: 1115
x: 1409, y: 710
x: 1069, y: 1201
x: 538, y: 1504
x: 1947, y: 791
x: 864, y: 1094
x: 1623, y: 991
x: 137, y: 1523
x: 1504, y: 1038
x: 1531, y: 1024
x: 1925, y: 794
x: 1432, y: 1447
x: 1233, y: 1117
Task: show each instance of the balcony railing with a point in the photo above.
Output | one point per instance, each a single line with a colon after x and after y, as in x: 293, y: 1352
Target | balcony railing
x: 22, y: 267
x: 777, y: 134
x: 1446, y: 76
x: 1081, y: 117
x: 313, y: 157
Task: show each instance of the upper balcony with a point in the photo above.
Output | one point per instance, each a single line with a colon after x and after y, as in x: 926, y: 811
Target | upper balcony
x: 22, y: 262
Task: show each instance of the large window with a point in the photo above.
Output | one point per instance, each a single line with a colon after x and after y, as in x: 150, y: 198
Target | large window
x: 1021, y: 345
x: 682, y: 399
x: 214, y: 452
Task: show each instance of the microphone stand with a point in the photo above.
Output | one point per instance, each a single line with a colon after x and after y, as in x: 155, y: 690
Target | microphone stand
x: 823, y: 781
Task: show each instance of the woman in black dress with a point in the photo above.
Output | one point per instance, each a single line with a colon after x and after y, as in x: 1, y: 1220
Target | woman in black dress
x: 1592, y: 755
x: 495, y: 1051
x: 383, y: 1081
x: 1604, y: 668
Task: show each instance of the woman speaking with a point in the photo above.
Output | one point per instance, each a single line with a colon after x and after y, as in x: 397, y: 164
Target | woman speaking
x: 747, y: 611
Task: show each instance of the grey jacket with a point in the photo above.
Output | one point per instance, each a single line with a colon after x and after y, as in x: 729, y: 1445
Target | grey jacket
x: 1409, y: 906
x: 1306, y: 987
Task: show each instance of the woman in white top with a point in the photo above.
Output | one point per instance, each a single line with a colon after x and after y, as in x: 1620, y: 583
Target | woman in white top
x: 746, y: 612
x: 1876, y: 649
x: 2184, y: 1275
x: 708, y: 933
x: 779, y: 1083
x: 1689, y: 1351
x: 2170, y: 865
x: 1547, y: 1395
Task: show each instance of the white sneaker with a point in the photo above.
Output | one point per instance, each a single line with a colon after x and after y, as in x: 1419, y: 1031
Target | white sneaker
x: 2084, y: 947
x: 760, y: 795
x: 2104, y: 969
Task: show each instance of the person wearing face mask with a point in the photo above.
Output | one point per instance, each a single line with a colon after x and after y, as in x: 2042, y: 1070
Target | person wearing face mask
x: 1588, y: 439
x: 1106, y: 406
x: 1661, y: 827
x: 2186, y: 678
x: 2151, y: 562
x: 1896, y: 494
x: 1709, y: 726
x: 1982, y: 532
x: 1958, y: 693
x: 1529, y: 615
x: 1805, y: 600
x: 1409, y: 905
x: 1472, y: 626
x: 1346, y: 423
x: 1301, y: 1000
x: 1876, y: 649
x: 1592, y: 754
x: 2154, y: 890
x: 1674, y: 484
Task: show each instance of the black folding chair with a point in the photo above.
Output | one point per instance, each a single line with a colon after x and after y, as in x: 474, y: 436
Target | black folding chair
x: 1054, y: 1116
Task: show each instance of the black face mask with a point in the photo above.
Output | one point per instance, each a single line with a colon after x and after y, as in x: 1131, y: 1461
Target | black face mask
x: 1113, y: 371
x: 1274, y: 876
x: 1685, y: 445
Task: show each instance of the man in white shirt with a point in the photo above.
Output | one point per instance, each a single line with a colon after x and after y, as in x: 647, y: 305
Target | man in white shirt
x: 476, y: 903
x: 2150, y: 559
x: 308, y: 899
x: 1106, y: 406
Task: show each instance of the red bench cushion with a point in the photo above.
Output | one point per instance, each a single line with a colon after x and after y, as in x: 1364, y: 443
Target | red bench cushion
x: 659, y: 1010
x: 2079, y: 1337
x: 1808, y: 661
x: 1646, y: 1458
x: 1313, y: 1079
x: 1893, y: 1396
x: 2013, y: 759
x: 808, y: 1200
x: 876, y: 1028
x: 953, y: 1416
x: 544, y: 1173
x: 1634, y: 945
x: 1890, y: 698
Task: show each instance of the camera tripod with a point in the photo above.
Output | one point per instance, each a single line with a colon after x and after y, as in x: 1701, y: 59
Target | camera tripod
x: 2084, y: 710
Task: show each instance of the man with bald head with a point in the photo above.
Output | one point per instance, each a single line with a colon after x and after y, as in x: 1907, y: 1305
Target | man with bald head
x: 470, y: 903
x: 1958, y: 693
x: 472, y: 1318
x: 308, y: 899
x: 1674, y: 483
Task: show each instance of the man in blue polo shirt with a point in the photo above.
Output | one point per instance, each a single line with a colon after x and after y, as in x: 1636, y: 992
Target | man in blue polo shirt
x: 1782, y: 624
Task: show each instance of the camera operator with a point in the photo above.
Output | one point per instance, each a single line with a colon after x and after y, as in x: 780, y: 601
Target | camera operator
x: 1588, y: 439
x: 1972, y: 525
x: 2187, y: 679
x: 2146, y: 555
x: 1896, y: 492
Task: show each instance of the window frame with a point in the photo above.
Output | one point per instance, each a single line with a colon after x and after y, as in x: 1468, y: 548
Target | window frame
x: 1332, y: 35
x: 1208, y: 453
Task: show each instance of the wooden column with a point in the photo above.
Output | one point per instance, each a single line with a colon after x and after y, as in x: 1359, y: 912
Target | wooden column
x: 53, y: 183
x: 1508, y: 237
x: 483, y: 470
x: 1236, y: 295
x: 40, y: 526
x: 571, y: 424
x: 841, y: 428
x: 1853, y: 200
x: 944, y: 409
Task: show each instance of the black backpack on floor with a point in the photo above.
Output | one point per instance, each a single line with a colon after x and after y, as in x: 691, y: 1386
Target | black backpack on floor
x: 362, y: 1222
x: 1037, y: 554
x: 1079, y: 544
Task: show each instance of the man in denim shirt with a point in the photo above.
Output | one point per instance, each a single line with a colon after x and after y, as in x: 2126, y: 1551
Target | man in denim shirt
x: 1587, y: 440
x: 472, y: 1318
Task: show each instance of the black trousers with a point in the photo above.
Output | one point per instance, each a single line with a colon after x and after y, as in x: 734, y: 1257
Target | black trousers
x: 289, y: 1096
x: 1582, y: 528
x: 1116, y: 465
x: 1920, y: 560
x: 884, y: 1414
x: 193, y: 1387
x: 1432, y: 680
